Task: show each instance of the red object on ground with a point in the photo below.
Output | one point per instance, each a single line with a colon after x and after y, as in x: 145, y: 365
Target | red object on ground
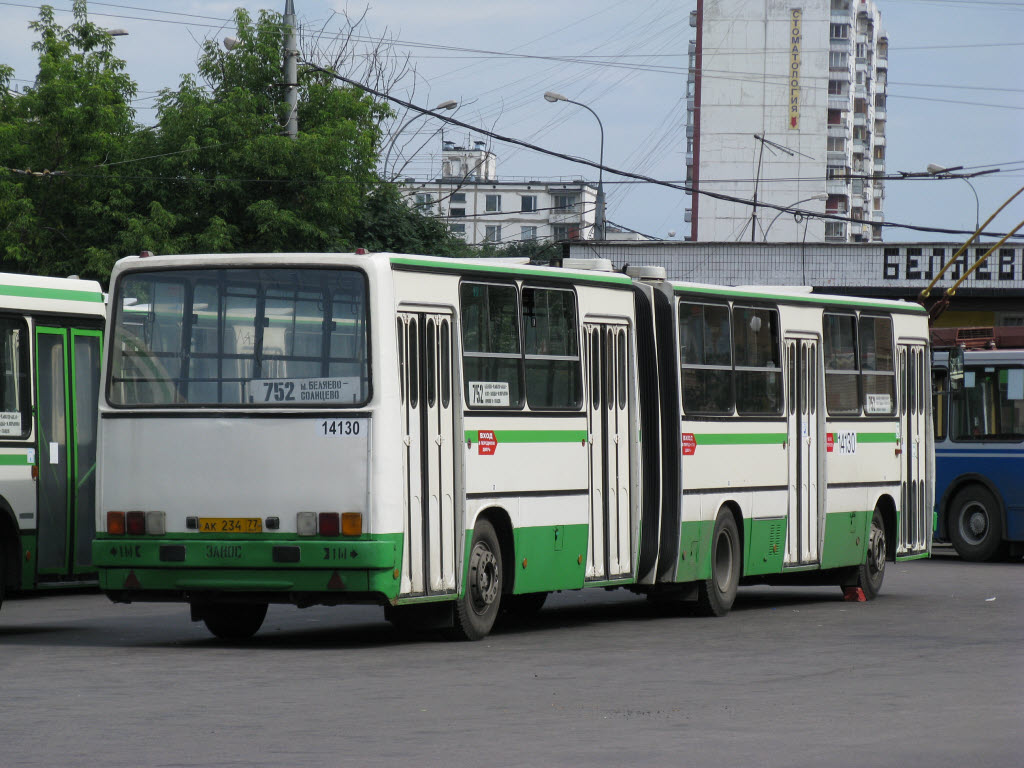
x: 854, y: 595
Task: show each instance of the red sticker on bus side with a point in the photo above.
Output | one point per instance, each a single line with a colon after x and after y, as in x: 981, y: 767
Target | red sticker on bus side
x: 689, y: 444
x: 830, y: 442
x: 487, y: 443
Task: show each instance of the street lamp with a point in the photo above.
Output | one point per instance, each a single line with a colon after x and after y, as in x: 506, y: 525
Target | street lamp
x: 444, y: 105
x: 116, y: 32
x: 941, y: 170
x: 819, y: 196
x: 599, y: 220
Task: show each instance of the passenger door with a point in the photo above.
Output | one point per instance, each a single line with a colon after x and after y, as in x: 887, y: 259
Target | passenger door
x: 804, y: 417
x: 67, y: 387
x: 915, y: 519
x: 607, y: 359
x: 425, y: 369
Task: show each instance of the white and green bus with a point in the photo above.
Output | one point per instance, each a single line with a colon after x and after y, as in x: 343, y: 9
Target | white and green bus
x: 51, y: 334
x: 450, y: 438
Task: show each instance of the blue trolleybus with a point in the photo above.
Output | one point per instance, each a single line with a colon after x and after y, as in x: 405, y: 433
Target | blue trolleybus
x: 978, y: 376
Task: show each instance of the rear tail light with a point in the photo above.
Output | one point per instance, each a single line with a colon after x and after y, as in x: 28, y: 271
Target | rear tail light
x: 351, y: 523
x: 330, y: 524
x: 135, y: 523
x: 115, y: 523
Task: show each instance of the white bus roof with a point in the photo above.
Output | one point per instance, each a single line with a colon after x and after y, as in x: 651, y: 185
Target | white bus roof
x: 51, y: 294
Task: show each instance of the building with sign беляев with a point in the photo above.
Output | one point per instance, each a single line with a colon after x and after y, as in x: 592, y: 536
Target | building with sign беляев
x: 992, y: 295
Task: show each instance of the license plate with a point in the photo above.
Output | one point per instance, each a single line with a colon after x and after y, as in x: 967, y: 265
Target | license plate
x: 230, y: 525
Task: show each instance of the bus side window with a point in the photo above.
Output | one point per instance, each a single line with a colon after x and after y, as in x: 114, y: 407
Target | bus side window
x: 705, y: 357
x: 550, y: 339
x: 492, y: 360
x: 940, y: 385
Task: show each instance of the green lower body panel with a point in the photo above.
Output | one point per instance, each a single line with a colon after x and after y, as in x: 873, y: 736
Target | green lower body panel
x: 694, y: 541
x: 279, y: 564
x: 550, y: 557
x: 764, y: 543
x: 846, y: 539
x: 28, y: 561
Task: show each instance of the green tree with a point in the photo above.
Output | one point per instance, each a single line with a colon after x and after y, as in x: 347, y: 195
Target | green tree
x: 215, y: 173
x: 75, y: 116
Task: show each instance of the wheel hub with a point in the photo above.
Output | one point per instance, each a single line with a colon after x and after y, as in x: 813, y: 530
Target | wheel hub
x: 977, y: 523
x: 484, y: 580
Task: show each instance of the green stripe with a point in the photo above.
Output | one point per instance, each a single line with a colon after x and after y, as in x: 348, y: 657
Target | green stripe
x: 749, y: 438
x: 531, y: 435
x: 786, y: 298
x: 14, y: 459
x: 506, y: 269
x: 64, y: 294
x: 878, y: 437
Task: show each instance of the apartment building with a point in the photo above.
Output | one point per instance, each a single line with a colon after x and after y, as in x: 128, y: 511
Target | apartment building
x: 786, y: 106
x: 481, y: 208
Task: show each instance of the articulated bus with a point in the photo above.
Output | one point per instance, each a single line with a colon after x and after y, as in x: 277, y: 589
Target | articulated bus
x: 979, y: 440
x: 452, y: 438
x: 51, y: 334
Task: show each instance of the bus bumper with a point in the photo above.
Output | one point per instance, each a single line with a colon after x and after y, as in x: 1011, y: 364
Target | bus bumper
x: 280, y: 570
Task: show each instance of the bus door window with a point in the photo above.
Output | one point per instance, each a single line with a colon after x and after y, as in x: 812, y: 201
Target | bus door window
x: 940, y: 385
x: 15, y: 413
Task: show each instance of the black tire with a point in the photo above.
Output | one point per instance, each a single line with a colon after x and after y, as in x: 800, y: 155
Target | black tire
x: 716, y: 595
x: 235, y: 621
x: 480, y: 603
x: 975, y: 524
x: 523, y: 606
x: 871, y: 572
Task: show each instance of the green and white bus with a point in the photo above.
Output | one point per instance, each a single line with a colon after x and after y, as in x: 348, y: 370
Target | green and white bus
x: 51, y: 334
x: 448, y: 438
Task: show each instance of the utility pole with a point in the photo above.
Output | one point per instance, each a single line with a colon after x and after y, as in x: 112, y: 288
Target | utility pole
x: 291, y: 71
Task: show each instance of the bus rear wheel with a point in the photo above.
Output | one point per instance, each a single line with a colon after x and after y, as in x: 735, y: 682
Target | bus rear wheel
x: 234, y: 621
x: 871, y: 572
x: 975, y: 525
x: 478, y: 607
x: 716, y: 595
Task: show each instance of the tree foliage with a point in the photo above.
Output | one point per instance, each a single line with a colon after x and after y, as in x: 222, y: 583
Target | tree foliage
x: 84, y: 184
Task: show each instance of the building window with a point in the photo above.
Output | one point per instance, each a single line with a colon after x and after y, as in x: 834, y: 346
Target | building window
x: 492, y: 233
x: 562, y: 232
x: 458, y: 197
x: 835, y: 88
x: 563, y: 202
x: 835, y: 117
x: 838, y: 60
x: 835, y: 230
x: 836, y: 144
x: 836, y: 204
x: 529, y: 203
x: 458, y: 229
x: 528, y: 233
x: 839, y: 31
x: 424, y: 199
x: 492, y: 203
x: 457, y: 212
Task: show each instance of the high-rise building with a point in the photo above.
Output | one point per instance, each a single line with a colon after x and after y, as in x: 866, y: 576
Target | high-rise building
x: 786, y: 106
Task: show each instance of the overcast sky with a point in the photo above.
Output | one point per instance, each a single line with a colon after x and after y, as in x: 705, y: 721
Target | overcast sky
x: 956, y: 95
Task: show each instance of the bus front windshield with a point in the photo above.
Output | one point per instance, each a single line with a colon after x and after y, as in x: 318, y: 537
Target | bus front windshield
x: 240, y: 336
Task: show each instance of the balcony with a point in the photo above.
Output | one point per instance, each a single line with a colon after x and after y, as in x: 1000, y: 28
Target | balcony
x: 839, y: 101
x: 837, y: 186
x: 878, y: 167
x: 860, y: 118
x: 879, y: 139
x: 839, y: 130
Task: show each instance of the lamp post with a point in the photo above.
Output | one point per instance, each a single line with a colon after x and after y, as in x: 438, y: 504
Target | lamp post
x: 819, y: 196
x: 941, y: 170
x: 599, y: 220
x: 449, y: 104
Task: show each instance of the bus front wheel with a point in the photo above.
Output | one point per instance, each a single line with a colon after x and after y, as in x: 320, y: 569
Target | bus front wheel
x: 478, y: 607
x: 234, y: 621
x: 716, y: 595
x: 975, y: 525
